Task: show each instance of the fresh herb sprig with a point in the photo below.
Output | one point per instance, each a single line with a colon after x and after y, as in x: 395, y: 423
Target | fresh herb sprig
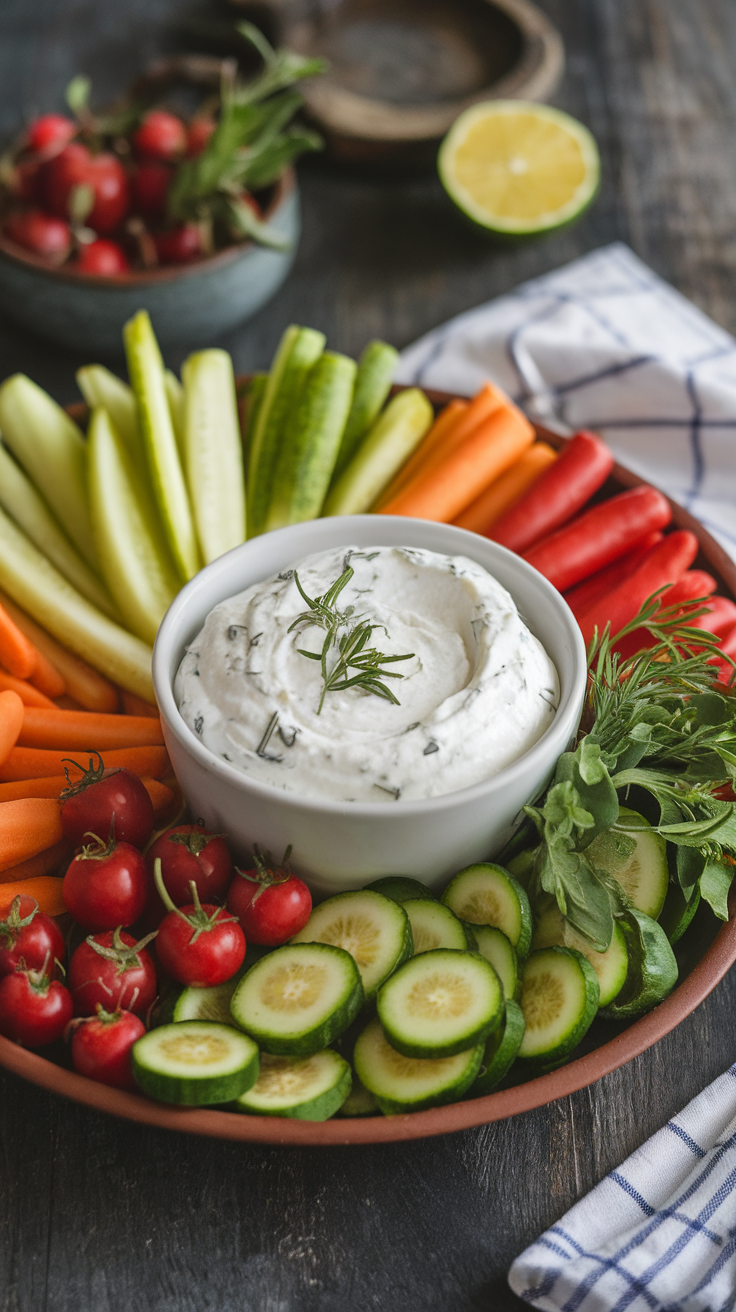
x: 343, y: 652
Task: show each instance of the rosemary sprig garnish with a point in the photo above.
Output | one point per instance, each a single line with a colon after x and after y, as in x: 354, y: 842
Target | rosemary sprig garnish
x: 343, y: 652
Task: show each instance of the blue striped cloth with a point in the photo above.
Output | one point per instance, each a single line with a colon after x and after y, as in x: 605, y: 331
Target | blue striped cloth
x: 658, y: 1234
x: 603, y: 343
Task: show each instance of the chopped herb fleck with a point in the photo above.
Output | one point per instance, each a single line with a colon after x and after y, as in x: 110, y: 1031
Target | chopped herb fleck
x: 199, y: 724
x: 430, y: 749
x: 393, y: 792
x: 263, y: 744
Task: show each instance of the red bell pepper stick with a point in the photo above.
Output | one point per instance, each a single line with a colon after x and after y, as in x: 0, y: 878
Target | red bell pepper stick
x: 665, y: 563
x: 692, y: 586
x: 599, y: 536
x: 720, y: 617
x: 586, y: 594
x: 557, y: 495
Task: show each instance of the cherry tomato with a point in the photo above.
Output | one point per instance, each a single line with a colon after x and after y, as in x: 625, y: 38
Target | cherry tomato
x: 111, y: 970
x: 29, y: 938
x: 102, y: 1045
x: 105, y: 885
x: 74, y: 167
x: 34, y: 1009
x: 49, y: 132
x: 271, y: 904
x: 161, y: 136
x: 199, y: 132
x: 189, y: 853
x: 103, y: 257
x: 41, y: 233
x: 150, y: 184
x: 198, y: 945
x: 179, y: 245
x: 102, y: 796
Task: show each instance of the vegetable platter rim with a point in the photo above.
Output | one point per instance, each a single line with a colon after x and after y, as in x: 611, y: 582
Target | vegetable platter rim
x: 585, y: 1070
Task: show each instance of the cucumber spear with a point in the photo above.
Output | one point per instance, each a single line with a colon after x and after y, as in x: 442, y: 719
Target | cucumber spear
x: 213, y: 452
x: 372, y: 385
x: 388, y: 445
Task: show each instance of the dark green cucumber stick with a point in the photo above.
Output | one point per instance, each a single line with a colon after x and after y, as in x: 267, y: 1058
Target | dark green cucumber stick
x: 372, y: 385
x: 310, y: 445
x: 298, y: 350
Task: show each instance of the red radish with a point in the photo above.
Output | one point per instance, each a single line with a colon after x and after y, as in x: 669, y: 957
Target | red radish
x: 665, y: 563
x: 599, y: 536
x: 103, y: 797
x: 105, y: 885
x: 150, y: 184
x: 199, y: 132
x: 76, y: 167
x: 102, y: 1047
x: 581, y: 597
x: 179, y: 245
x: 34, y: 1008
x: 198, y: 944
x: 49, y: 132
x: 26, y: 176
x: 558, y: 494
x: 111, y: 970
x: 105, y: 258
x: 29, y: 937
x: 41, y: 233
x: 161, y: 136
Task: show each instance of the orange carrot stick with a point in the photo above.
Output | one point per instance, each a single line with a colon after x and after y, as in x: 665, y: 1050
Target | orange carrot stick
x: 442, y: 493
x: 17, y: 654
x: 47, y: 678
x: 48, y: 786
x: 28, y: 826
x: 503, y: 492
x: 161, y: 796
x: 11, y: 722
x: 46, y: 891
x: 443, y: 424
x: 35, y: 763
x: 67, y: 703
x: 133, y: 705
x: 85, y: 730
x: 29, y: 695
x: 89, y: 688
x: 45, y: 863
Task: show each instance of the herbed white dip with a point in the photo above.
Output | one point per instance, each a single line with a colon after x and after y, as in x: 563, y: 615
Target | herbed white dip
x: 477, y: 693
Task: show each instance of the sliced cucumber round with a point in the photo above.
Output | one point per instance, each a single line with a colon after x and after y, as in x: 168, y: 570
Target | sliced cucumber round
x: 559, y: 998
x: 374, y: 929
x: 610, y: 966
x: 359, y: 1101
x: 434, y: 926
x: 501, y: 1051
x: 306, y: 1088
x: 643, y: 873
x: 409, y: 1084
x: 493, y: 944
x: 206, y: 1004
x: 487, y: 894
x: 299, y: 998
x: 440, y: 1003
x: 400, y: 888
x: 195, y: 1063
x: 652, y: 972
x: 677, y: 912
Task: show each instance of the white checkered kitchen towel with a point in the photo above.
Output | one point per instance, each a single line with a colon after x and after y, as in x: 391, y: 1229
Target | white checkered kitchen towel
x: 603, y: 343
x: 658, y: 1234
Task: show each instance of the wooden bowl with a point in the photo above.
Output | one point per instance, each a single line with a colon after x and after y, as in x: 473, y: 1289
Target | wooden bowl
x: 705, y: 954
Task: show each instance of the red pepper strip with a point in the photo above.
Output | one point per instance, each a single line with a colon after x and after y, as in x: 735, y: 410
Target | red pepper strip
x: 560, y: 492
x: 694, y: 584
x: 665, y: 563
x: 720, y: 617
x: 599, y: 536
x: 586, y: 594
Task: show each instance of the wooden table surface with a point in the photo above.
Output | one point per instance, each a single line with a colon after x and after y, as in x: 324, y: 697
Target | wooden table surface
x: 98, y: 1215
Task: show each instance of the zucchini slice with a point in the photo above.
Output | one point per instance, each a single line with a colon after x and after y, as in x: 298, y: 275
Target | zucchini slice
x: 299, y: 998
x: 501, y: 1051
x: 610, y: 966
x: 306, y: 1088
x: 409, y: 1084
x: 643, y: 873
x: 440, y: 1003
x: 652, y: 970
x: 486, y: 894
x: 374, y: 929
x: 400, y: 888
x: 434, y: 926
x: 359, y: 1102
x: 559, y: 998
x: 206, y: 1004
x: 195, y: 1063
x: 493, y: 944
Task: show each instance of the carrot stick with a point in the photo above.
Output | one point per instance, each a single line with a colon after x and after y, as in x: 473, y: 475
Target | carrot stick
x: 29, y: 695
x: 17, y: 654
x: 442, y: 492
x: 90, y: 689
x: 133, y: 705
x: 46, y: 891
x: 35, y: 763
x: 85, y: 730
x: 28, y: 826
x: 45, y: 863
x: 11, y: 722
x: 505, y: 491
x: 67, y: 703
x: 560, y: 493
x: 581, y: 597
x: 161, y: 796
x: 47, y: 678
x: 49, y: 786
x: 443, y: 424
x: 665, y: 563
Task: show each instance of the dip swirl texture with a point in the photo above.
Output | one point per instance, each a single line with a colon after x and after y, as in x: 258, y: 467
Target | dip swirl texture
x: 478, y: 692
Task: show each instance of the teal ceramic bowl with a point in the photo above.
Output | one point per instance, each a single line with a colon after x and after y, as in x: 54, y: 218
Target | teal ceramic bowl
x: 190, y: 305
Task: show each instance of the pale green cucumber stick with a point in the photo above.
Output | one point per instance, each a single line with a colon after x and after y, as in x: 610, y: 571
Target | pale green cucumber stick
x: 298, y: 350
x: 310, y: 443
x: 372, y: 385
x: 251, y: 402
x: 133, y: 556
x: 27, y: 507
x: 51, y: 449
x: 175, y: 394
x: 101, y: 387
x: 33, y: 582
x: 213, y: 452
x: 381, y: 454
x: 146, y: 370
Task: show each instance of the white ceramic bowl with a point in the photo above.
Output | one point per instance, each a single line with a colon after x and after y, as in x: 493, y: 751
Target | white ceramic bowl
x: 342, y: 845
